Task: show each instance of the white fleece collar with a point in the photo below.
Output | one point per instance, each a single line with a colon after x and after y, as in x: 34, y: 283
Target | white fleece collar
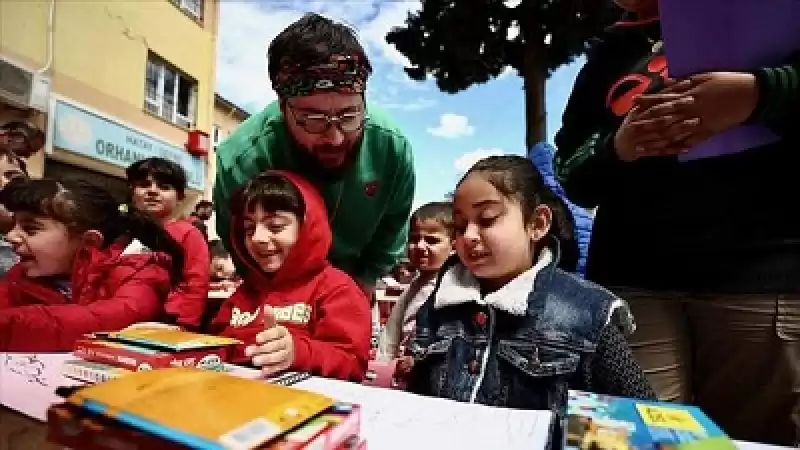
x: 459, y: 286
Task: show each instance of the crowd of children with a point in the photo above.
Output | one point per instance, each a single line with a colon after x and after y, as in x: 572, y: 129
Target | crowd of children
x: 488, y: 315
x: 89, y: 264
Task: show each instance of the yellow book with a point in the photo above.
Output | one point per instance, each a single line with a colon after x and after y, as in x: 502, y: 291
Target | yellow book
x: 202, y: 409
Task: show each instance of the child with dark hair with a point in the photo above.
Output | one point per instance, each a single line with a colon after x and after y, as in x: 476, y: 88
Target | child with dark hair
x: 223, y: 271
x: 12, y: 167
x: 202, y: 212
x: 221, y: 264
x: 157, y: 185
x: 430, y: 243
x: 294, y: 311
x: 86, y: 265
x: 504, y: 325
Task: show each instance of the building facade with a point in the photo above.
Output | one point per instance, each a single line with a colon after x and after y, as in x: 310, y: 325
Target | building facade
x: 227, y: 117
x: 111, y: 82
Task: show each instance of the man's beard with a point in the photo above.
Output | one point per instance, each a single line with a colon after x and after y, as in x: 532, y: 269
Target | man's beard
x: 313, y: 168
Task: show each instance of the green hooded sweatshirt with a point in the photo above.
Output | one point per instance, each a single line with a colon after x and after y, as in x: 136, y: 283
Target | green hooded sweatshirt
x: 368, y: 205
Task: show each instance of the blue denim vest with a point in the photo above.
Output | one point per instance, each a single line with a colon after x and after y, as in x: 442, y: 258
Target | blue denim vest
x: 478, y: 353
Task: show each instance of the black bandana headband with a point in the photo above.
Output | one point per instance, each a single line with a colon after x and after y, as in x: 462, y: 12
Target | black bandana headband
x: 341, y: 73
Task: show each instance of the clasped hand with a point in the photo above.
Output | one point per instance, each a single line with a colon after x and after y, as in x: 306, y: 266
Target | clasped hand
x: 274, y: 349
x: 685, y: 113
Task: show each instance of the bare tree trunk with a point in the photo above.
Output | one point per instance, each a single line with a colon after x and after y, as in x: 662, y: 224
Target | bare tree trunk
x: 535, y: 75
x: 535, y: 108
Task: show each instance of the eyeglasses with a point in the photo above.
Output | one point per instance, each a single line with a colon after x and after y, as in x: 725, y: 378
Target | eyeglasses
x: 348, y: 122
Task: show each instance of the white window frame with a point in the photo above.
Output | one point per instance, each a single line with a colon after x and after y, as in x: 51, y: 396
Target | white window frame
x: 216, y: 135
x: 158, y: 103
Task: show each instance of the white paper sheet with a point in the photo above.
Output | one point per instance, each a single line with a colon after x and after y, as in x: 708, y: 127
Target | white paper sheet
x: 28, y: 381
x: 399, y: 420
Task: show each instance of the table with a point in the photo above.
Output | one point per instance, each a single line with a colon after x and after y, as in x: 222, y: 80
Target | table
x: 392, y: 420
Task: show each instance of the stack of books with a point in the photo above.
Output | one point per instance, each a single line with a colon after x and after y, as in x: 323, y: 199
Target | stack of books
x: 600, y: 422
x: 177, y: 408
x: 106, y: 356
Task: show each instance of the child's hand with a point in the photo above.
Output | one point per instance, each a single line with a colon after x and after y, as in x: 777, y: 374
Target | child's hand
x: 274, y: 349
x: 403, y: 367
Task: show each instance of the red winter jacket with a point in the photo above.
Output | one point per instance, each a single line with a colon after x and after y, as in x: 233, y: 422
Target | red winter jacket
x: 187, y: 301
x: 110, y: 291
x: 321, y: 306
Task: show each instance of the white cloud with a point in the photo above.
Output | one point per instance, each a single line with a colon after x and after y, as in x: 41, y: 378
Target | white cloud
x: 247, y: 27
x: 452, y: 126
x: 417, y: 104
x: 244, y: 35
x: 467, y: 160
x: 506, y: 72
x: 391, y: 14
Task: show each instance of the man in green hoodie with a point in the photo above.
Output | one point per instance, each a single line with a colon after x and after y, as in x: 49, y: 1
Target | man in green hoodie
x: 321, y: 128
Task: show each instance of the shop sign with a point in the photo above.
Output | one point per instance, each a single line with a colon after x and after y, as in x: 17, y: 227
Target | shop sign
x: 89, y: 134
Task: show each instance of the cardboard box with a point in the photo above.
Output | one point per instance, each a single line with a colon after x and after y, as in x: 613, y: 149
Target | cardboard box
x: 202, y: 409
x: 91, y: 372
x: 597, y: 422
x: 75, y: 428
x: 154, y: 348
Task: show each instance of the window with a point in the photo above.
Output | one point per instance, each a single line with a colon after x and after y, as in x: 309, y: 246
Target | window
x: 193, y: 7
x: 169, y: 94
x: 216, y: 136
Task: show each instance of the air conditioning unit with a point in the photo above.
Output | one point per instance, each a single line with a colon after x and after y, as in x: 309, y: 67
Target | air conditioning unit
x: 23, y: 88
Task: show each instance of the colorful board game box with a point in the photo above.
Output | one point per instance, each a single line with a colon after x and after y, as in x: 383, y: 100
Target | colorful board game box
x: 597, y: 422
x: 148, y: 349
x: 202, y: 409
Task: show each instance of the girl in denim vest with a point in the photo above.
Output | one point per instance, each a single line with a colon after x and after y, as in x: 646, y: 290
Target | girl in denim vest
x: 505, y: 326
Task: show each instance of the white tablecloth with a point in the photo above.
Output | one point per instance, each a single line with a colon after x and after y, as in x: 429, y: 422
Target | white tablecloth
x: 392, y: 420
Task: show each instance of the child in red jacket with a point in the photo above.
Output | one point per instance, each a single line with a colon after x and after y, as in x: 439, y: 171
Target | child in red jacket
x: 82, y: 268
x: 157, y: 185
x: 294, y: 311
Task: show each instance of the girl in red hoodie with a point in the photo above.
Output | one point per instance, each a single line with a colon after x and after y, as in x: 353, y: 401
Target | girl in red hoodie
x: 82, y: 266
x: 294, y: 311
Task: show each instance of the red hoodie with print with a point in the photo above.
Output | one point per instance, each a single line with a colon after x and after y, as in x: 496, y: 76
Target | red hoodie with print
x: 108, y: 291
x: 187, y: 302
x: 321, y: 306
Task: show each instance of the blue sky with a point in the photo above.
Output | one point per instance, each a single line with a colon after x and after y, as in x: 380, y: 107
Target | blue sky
x: 448, y: 132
